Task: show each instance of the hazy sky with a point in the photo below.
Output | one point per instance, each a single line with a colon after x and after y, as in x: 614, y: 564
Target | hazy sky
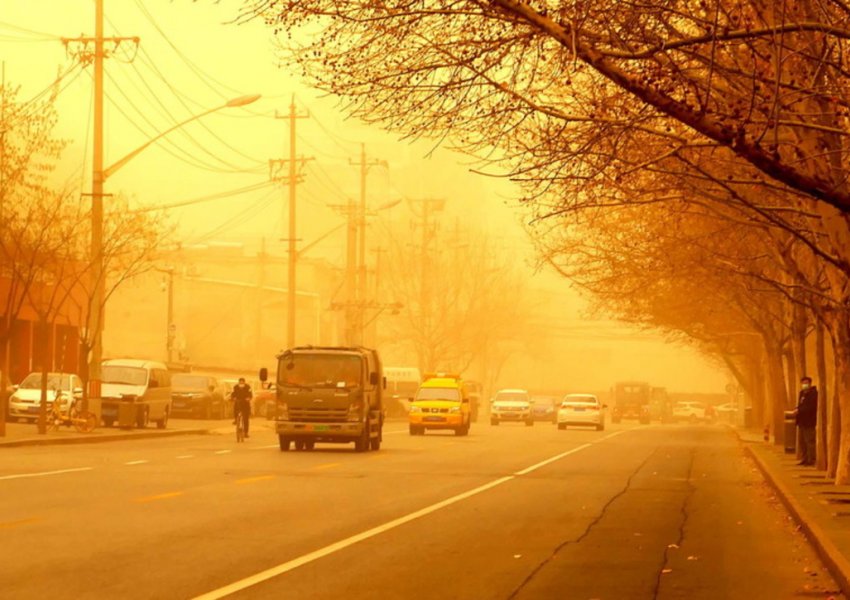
x: 190, y: 59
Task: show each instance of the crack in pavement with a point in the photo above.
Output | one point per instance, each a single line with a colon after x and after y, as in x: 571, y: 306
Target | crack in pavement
x: 587, y: 529
x: 683, y: 511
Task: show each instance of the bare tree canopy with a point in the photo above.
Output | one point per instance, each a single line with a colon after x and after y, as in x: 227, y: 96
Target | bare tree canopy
x: 562, y: 89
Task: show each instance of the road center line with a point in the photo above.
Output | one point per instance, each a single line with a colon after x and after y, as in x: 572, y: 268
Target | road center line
x: 258, y: 478
x: 557, y: 457
x: 159, y: 497
x: 223, y: 451
x: 136, y: 462
x: 183, y: 456
x: 262, y: 576
x: 19, y: 522
x: 45, y: 473
x: 326, y: 466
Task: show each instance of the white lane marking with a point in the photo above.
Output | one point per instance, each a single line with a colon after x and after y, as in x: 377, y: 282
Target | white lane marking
x: 182, y: 456
x: 350, y: 541
x: 528, y: 470
x: 395, y: 431
x: 136, y: 462
x: 266, y: 447
x: 45, y: 473
x: 222, y: 451
x: 262, y: 576
x: 610, y: 435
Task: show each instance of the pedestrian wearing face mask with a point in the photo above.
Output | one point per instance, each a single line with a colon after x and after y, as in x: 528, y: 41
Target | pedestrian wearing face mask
x: 807, y: 419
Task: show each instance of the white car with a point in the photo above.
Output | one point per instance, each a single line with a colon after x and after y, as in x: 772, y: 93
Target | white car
x: 25, y: 401
x: 689, y: 411
x: 511, y: 405
x: 581, y: 409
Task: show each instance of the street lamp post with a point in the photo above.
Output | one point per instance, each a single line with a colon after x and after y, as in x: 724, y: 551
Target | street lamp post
x: 99, y: 176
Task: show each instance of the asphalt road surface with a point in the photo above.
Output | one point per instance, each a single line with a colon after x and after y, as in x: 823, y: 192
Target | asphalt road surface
x: 508, y: 512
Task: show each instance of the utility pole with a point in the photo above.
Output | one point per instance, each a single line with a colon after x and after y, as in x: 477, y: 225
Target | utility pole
x: 292, y: 180
x: 96, y: 310
x: 362, y: 288
x: 429, y: 206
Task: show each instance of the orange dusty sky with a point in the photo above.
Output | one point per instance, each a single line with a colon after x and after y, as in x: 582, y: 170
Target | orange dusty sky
x: 190, y: 59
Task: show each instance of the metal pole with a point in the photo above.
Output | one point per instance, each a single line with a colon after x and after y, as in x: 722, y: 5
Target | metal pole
x: 172, y: 328
x: 96, y: 312
x: 293, y: 251
x: 351, y: 275
x: 361, y: 279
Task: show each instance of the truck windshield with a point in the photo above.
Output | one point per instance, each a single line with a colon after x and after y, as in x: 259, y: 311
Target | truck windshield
x: 320, y: 370
x: 438, y: 394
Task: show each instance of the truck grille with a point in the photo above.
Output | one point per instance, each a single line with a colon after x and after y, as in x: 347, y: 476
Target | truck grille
x: 318, y: 414
x: 435, y: 410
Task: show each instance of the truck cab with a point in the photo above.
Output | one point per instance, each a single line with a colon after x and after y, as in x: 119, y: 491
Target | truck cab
x: 441, y: 402
x: 329, y: 395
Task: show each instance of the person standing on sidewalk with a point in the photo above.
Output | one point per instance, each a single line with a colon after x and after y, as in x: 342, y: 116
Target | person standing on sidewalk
x: 807, y: 420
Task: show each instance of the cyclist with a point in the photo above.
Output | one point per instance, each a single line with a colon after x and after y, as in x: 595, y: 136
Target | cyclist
x: 241, y: 397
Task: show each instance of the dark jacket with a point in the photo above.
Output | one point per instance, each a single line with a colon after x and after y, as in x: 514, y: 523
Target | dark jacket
x: 807, y: 408
x: 242, y: 393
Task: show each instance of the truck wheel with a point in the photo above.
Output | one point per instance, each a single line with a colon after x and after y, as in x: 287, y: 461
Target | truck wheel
x: 529, y: 423
x: 309, y: 445
x: 108, y: 422
x: 494, y: 421
x: 361, y: 444
x: 299, y: 444
x: 284, y: 443
x: 375, y: 444
x: 562, y: 426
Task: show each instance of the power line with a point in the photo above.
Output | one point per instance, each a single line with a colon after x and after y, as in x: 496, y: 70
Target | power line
x: 207, y: 198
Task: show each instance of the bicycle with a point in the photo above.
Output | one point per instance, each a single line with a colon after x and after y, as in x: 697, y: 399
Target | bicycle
x: 82, y: 420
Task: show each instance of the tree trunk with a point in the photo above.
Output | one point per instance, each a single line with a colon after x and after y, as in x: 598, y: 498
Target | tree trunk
x: 823, y: 407
x: 776, y: 391
x: 842, y: 391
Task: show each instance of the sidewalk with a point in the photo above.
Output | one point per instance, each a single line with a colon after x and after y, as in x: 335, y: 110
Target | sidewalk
x: 26, y: 434
x: 820, y: 508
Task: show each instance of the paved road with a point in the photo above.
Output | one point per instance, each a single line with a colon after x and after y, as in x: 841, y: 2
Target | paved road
x: 509, y: 512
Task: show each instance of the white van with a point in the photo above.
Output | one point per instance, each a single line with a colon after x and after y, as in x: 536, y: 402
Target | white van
x: 144, y: 383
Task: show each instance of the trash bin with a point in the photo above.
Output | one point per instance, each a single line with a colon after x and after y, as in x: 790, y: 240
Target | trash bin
x: 748, y: 417
x: 126, y: 415
x: 790, y: 432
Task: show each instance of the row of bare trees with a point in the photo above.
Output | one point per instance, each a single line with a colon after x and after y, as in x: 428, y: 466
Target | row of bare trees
x: 46, y: 266
x: 465, y: 306
x: 686, y: 163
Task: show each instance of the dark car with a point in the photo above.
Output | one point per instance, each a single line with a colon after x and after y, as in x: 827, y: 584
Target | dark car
x: 545, y: 408
x: 197, y: 396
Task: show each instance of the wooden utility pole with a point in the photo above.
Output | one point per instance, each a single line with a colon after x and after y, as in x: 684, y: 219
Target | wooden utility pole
x: 96, y: 310
x: 359, y: 298
x: 292, y: 179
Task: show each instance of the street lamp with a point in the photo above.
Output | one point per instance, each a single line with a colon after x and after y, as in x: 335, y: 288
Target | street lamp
x: 99, y: 176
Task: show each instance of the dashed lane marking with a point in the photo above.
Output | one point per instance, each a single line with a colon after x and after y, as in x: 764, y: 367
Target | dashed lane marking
x: 184, y: 456
x: 255, y: 479
x: 45, y: 473
x: 266, y: 447
x: 325, y: 466
x: 19, y: 522
x: 223, y: 451
x: 136, y: 462
x: 159, y: 497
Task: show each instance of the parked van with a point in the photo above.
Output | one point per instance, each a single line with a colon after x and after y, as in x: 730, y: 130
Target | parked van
x: 144, y: 383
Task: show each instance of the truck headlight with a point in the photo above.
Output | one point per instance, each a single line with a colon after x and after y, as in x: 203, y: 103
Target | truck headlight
x: 454, y: 409
x: 283, y: 411
x: 415, y: 409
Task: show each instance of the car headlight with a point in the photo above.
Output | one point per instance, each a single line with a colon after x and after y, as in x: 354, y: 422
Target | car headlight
x: 415, y: 409
x: 454, y: 409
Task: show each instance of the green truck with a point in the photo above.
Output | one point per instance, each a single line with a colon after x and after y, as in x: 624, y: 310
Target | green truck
x: 329, y: 395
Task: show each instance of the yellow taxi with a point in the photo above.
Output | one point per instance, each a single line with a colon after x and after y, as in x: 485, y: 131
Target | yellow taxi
x: 441, y: 402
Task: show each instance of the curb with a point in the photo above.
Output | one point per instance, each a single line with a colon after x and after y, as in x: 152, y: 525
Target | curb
x: 833, y: 558
x: 97, y: 440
